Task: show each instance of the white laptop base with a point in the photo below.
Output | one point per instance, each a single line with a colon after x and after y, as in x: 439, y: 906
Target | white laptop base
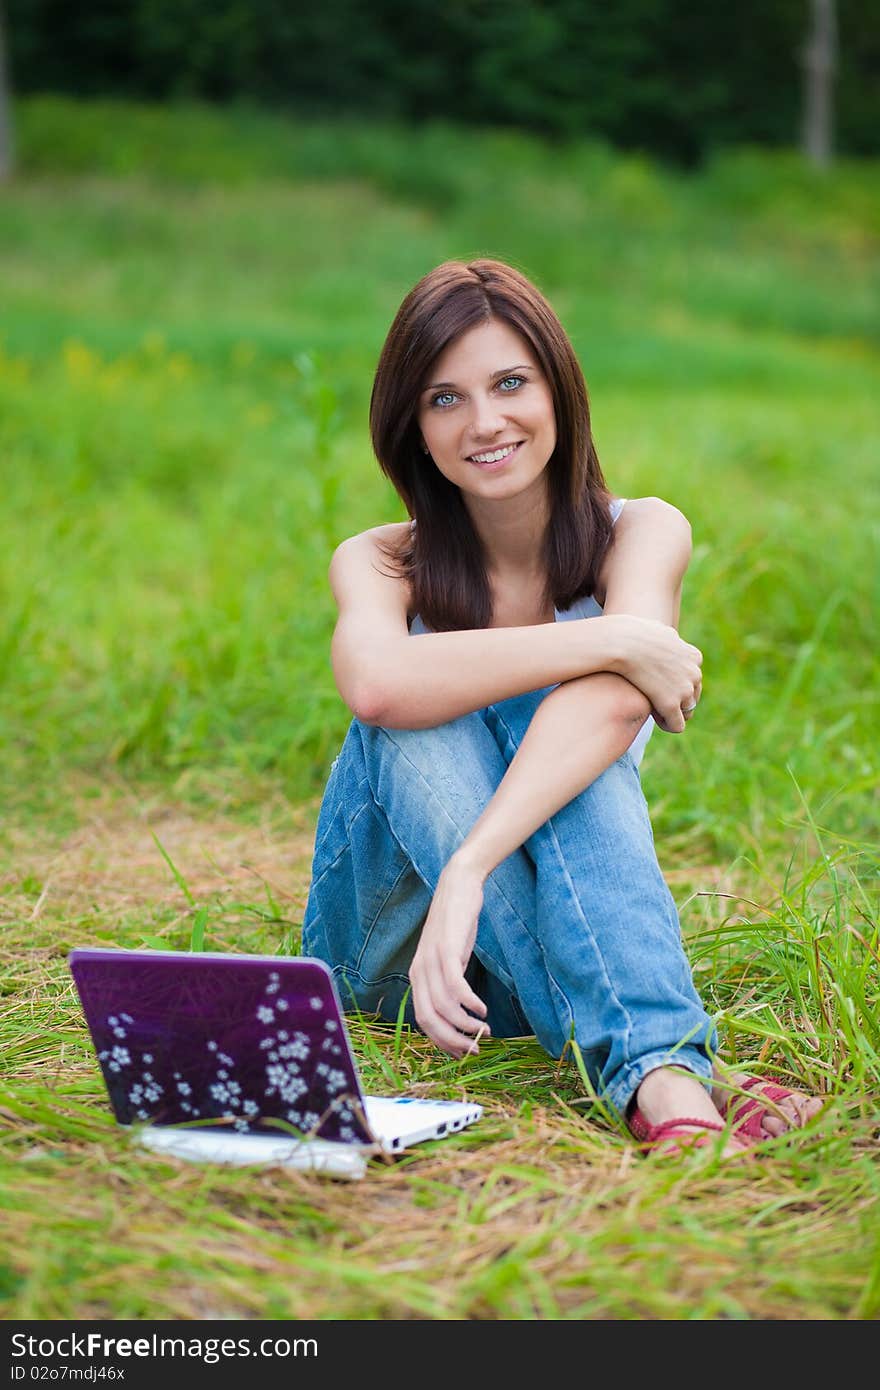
x: 396, y: 1121
x: 256, y: 1150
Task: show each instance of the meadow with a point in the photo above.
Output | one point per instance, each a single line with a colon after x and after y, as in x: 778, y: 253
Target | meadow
x: 191, y: 307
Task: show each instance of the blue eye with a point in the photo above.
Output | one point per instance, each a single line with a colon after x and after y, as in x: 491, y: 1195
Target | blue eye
x: 443, y: 399
x: 517, y: 380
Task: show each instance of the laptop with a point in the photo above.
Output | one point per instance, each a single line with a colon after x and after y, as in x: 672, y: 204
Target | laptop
x: 242, y: 1059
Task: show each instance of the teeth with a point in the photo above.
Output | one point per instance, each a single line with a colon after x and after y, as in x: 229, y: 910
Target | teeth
x: 494, y: 457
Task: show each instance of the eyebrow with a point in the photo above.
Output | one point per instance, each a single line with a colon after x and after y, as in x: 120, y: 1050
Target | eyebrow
x: 493, y: 376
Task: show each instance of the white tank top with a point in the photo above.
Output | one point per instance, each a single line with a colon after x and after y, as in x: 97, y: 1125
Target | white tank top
x: 585, y: 607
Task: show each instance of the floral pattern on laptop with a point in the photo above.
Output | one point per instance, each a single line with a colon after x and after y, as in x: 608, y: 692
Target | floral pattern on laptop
x: 204, y: 1047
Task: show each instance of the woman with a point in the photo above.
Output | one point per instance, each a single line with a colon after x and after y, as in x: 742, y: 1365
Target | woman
x: 484, y: 857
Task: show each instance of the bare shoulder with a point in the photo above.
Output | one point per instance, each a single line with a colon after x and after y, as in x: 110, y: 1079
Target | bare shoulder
x: 362, y: 573
x: 651, y: 537
x: 368, y: 550
x: 650, y: 514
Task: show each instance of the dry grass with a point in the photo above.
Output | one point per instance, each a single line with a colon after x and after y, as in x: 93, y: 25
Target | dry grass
x: 111, y: 858
x: 541, y: 1211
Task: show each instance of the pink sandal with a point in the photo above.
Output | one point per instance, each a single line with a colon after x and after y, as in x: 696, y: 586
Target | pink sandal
x: 673, y: 1136
x: 747, y: 1112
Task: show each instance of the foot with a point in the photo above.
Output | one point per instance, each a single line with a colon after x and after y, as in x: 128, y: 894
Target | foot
x: 666, y: 1095
x: 761, y: 1107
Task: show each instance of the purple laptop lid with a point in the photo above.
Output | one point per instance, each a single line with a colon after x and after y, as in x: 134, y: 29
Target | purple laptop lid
x: 253, y: 1043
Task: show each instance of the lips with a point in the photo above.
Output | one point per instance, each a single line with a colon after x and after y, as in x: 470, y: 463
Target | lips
x: 489, y: 458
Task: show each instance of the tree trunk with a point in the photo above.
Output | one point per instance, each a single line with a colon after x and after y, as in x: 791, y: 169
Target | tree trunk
x: 6, y: 156
x: 819, y: 61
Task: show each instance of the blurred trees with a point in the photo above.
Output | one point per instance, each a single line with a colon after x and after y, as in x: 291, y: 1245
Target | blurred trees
x: 5, y: 108
x: 660, y: 75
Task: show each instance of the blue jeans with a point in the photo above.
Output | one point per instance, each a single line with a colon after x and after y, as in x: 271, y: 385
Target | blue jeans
x: 578, y: 936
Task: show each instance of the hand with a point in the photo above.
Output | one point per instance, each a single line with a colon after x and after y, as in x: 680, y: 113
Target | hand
x: 662, y: 665
x: 687, y: 712
x: 443, y: 1000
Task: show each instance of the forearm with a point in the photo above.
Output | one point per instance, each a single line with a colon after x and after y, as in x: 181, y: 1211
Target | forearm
x: 419, y: 682
x: 576, y: 732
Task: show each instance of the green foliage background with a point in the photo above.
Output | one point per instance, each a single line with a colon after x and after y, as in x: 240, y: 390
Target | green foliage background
x: 678, y: 80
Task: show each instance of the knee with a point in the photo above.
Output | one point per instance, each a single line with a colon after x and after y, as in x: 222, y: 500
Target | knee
x: 432, y: 746
x: 508, y: 720
x: 456, y: 764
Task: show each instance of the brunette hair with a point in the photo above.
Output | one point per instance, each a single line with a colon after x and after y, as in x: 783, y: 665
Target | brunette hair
x: 443, y: 557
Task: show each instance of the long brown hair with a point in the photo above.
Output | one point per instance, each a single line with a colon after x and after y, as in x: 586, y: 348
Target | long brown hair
x: 443, y: 557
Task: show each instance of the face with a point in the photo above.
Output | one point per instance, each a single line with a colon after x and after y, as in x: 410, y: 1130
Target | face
x: 486, y: 413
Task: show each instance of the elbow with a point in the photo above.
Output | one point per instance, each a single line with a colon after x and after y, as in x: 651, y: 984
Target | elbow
x: 628, y: 712
x: 360, y: 683
x: 614, y: 701
x: 630, y: 708
x: 625, y: 706
x: 377, y: 706
x: 368, y: 704
x: 374, y: 702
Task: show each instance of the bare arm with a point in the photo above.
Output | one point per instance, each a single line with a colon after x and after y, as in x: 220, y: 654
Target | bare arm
x: 644, y: 569
x: 389, y: 678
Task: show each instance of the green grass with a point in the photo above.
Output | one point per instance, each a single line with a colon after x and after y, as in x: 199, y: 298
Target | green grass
x: 192, y: 306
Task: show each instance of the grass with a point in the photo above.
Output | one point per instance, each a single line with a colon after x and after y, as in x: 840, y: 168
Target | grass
x: 542, y: 1211
x: 193, y: 302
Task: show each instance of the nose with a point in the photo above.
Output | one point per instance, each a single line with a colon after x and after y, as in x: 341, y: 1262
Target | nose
x: 486, y: 418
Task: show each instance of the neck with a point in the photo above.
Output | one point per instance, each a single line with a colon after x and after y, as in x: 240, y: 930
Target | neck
x: 512, y: 529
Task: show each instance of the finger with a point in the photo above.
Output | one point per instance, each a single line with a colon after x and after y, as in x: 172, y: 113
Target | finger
x: 673, y: 720
x: 454, y: 988
x: 438, y: 1007
x: 447, y: 1037
x: 468, y: 1000
x: 482, y: 1032
x: 434, y: 1027
x: 454, y: 1012
x: 689, y: 704
x: 456, y: 1017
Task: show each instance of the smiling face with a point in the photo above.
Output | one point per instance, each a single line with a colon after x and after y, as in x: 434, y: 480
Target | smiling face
x: 486, y: 414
